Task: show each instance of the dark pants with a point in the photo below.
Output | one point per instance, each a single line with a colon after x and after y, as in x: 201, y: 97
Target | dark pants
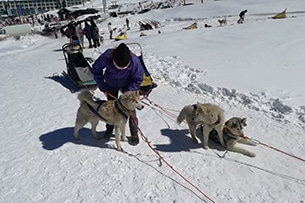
x: 90, y: 43
x: 96, y: 43
x: 133, y: 120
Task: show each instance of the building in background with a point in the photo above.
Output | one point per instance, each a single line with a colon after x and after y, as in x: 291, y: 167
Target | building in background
x: 13, y: 8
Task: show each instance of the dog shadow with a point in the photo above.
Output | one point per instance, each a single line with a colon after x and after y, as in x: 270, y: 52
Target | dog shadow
x: 180, y: 140
x: 55, y: 139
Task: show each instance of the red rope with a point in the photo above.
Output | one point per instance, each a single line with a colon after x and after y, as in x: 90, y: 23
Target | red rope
x: 163, y: 109
x: 278, y: 150
x: 161, y: 158
x: 170, y: 166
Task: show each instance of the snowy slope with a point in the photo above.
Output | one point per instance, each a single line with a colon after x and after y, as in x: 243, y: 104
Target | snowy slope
x: 255, y: 70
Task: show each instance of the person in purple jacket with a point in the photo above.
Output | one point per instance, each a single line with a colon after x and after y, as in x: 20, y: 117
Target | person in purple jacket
x: 117, y: 70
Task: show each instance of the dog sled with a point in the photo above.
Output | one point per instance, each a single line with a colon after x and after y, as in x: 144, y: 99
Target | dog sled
x: 148, y: 84
x: 191, y: 27
x: 121, y: 36
x: 79, y: 69
x: 280, y: 15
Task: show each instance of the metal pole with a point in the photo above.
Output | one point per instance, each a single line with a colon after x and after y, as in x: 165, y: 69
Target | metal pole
x: 17, y: 10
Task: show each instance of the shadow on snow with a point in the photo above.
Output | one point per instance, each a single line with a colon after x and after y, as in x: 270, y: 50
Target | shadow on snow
x: 64, y: 81
x: 57, y: 138
x: 180, y: 140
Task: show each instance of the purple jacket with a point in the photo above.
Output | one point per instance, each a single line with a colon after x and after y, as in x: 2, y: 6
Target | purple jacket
x: 107, y: 76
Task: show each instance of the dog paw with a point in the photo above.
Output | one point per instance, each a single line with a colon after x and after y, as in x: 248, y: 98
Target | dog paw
x: 124, y: 139
x: 76, y: 138
x: 120, y: 149
x: 252, y: 155
x: 206, y: 147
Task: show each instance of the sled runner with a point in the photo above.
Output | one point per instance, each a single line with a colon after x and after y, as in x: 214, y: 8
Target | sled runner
x: 79, y: 69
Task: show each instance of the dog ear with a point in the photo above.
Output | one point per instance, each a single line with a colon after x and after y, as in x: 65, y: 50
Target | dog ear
x: 244, y: 121
x: 201, y: 107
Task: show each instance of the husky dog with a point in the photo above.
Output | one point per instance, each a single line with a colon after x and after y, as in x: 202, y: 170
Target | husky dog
x: 209, y: 115
x: 233, y: 134
x: 222, y: 21
x: 114, y: 112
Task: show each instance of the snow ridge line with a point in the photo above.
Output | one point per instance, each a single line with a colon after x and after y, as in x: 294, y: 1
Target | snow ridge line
x: 169, y: 71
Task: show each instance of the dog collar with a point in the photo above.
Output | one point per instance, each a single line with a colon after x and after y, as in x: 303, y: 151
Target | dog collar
x: 231, y: 134
x: 125, y: 115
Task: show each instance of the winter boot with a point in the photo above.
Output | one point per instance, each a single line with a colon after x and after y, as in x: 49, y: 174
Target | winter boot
x: 109, y: 132
x: 134, y: 140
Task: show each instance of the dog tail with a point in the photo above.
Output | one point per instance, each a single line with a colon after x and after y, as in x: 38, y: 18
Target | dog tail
x: 85, y: 97
x: 182, y: 115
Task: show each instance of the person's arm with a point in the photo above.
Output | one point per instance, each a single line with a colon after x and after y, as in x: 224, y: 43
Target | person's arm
x: 98, y: 70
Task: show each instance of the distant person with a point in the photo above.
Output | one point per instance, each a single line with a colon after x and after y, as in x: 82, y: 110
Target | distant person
x: 70, y: 33
x: 95, y: 35
x: 55, y: 33
x: 110, y: 30
x: 80, y: 33
x: 242, y: 16
x: 88, y: 33
x: 127, y: 24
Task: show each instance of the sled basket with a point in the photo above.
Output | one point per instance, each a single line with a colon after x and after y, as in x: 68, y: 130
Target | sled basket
x: 78, y: 67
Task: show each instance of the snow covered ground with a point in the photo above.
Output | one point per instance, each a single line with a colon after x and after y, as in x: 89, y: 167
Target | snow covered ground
x: 254, y: 70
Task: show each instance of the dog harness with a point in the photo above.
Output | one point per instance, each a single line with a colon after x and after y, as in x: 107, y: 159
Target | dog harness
x: 95, y: 111
x: 117, y: 102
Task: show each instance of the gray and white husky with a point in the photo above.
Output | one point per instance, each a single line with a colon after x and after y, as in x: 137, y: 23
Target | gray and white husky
x: 209, y: 115
x: 233, y: 134
x: 114, y: 112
